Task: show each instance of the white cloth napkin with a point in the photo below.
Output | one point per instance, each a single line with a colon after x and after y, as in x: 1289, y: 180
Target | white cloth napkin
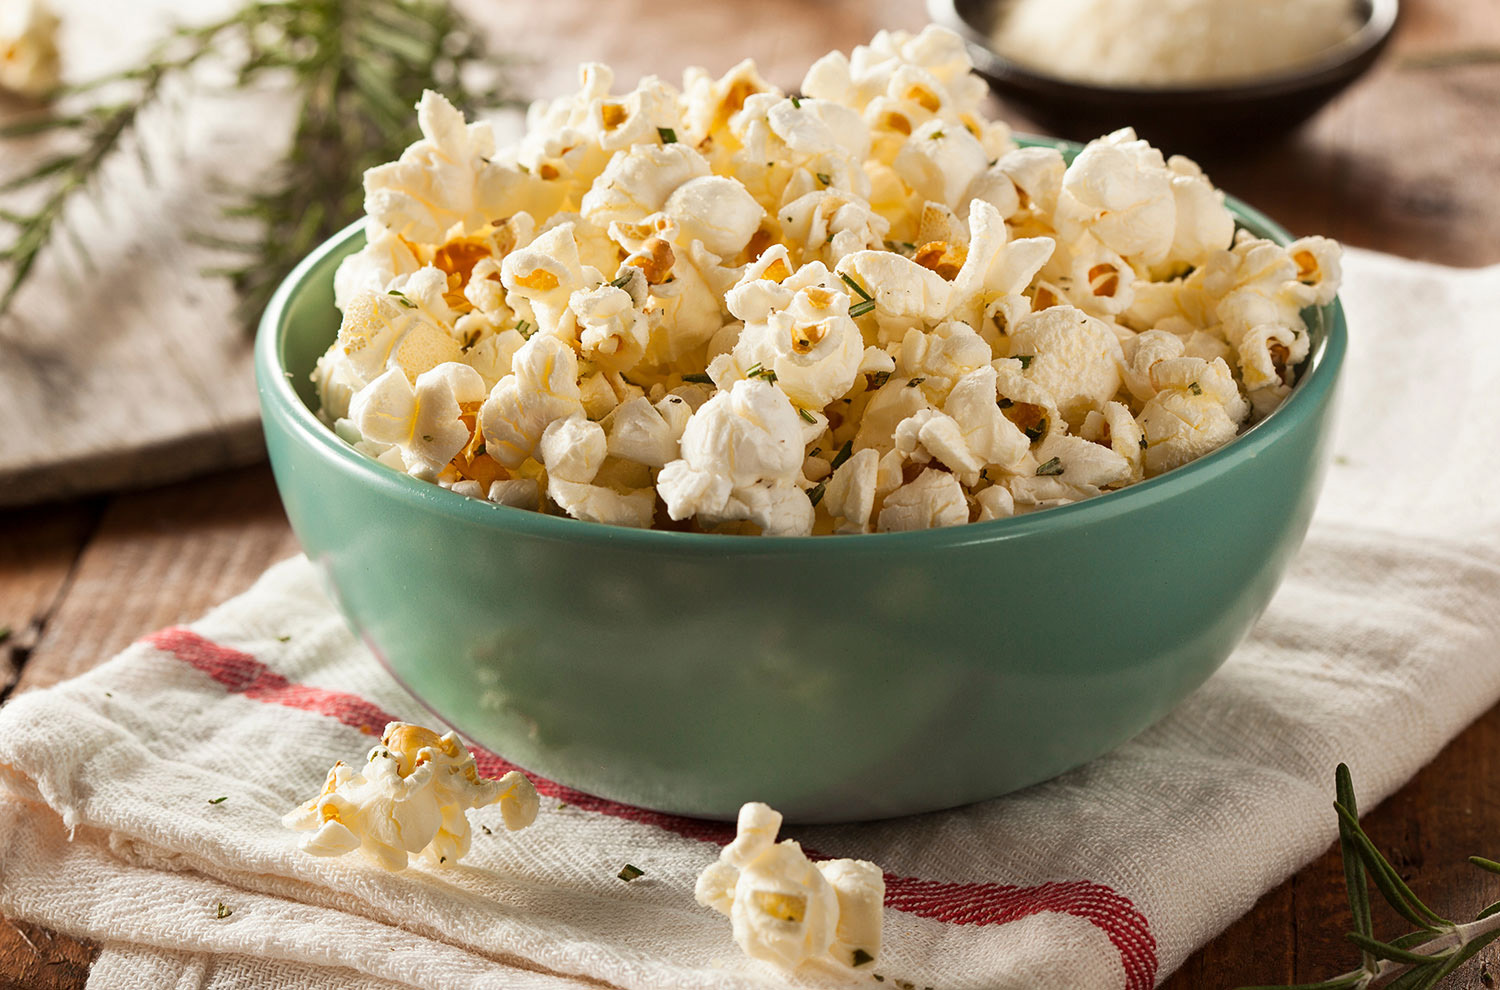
x: 1379, y: 647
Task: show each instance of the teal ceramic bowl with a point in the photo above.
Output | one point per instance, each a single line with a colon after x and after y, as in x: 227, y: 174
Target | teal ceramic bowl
x: 836, y: 678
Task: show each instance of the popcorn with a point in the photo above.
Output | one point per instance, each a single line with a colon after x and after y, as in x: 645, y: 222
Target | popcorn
x: 1073, y: 356
x: 1204, y: 224
x: 717, y: 211
x: 740, y: 456
x: 380, y: 330
x: 857, y: 309
x: 849, y: 496
x: 808, y: 341
x: 934, y: 499
x: 788, y: 910
x: 1120, y: 190
x: 423, y: 422
x: 637, y: 182
x: 1196, y: 408
x: 542, y: 389
x: 29, y: 62
x: 444, y: 180
x: 940, y: 162
x: 408, y: 798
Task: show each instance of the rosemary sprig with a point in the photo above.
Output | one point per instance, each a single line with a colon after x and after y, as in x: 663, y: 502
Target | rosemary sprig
x: 1419, y: 960
x: 355, y: 67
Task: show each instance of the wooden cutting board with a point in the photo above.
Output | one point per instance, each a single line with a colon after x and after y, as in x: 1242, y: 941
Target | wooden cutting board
x: 135, y: 372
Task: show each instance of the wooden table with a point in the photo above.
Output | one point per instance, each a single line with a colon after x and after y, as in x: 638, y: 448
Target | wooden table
x: 1407, y: 162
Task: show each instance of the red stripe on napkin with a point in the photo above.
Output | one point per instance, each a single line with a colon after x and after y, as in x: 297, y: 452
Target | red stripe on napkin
x: 953, y: 903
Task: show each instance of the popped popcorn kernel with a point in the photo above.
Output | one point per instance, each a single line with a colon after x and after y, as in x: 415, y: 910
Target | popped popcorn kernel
x: 408, y: 798
x: 723, y: 308
x: 786, y: 909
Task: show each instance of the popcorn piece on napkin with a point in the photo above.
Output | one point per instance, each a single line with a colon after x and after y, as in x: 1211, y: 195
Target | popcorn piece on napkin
x: 787, y: 909
x: 410, y: 797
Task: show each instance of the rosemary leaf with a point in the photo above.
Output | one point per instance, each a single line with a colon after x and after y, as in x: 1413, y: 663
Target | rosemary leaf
x: 355, y: 69
x: 1354, y: 870
x: 49, y: 167
x: 1388, y: 880
x: 1485, y: 864
x: 1385, y: 950
x: 39, y: 125
x: 1346, y: 982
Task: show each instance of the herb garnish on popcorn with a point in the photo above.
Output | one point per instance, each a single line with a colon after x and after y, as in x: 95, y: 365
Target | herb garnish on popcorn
x: 409, y: 797
x: 723, y: 278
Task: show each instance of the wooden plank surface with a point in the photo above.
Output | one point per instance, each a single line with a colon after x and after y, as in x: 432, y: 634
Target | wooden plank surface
x: 1407, y: 162
x: 128, y: 368
x: 159, y: 558
x: 1429, y: 828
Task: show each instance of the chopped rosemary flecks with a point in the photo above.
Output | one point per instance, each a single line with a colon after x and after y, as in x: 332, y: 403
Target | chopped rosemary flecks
x: 914, y: 382
x: 806, y: 416
x: 478, y: 450
x: 1144, y: 445
x: 619, y: 281
x: 845, y: 452
x: 698, y: 378
x: 825, y: 178
x: 284, y: 639
x: 629, y: 873
x: 401, y: 298
x: 427, y: 438
x: 756, y: 371
x: 524, y: 328
x: 878, y: 380
x: 1195, y: 388
x: 1035, y: 433
x: 900, y: 247
x: 218, y: 800
x: 861, y: 308
x: 815, y: 452
x: 1052, y: 467
x: 4, y: 633
x: 861, y: 957
x: 486, y: 830
x: 815, y: 493
x: 1005, y: 403
x: 1025, y: 360
x: 223, y: 910
x: 859, y: 290
x: 936, y: 135
x: 796, y: 103
x: 668, y: 136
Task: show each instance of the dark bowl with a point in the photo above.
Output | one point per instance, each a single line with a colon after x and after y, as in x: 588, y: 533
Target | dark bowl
x: 1180, y: 118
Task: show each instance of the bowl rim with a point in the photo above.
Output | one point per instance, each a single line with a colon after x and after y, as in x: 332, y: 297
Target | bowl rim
x: 1329, y: 66
x: 280, y: 400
